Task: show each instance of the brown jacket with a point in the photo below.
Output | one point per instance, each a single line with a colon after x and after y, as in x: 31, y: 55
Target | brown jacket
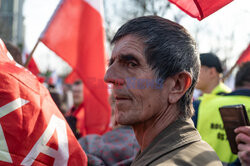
x: 178, y: 144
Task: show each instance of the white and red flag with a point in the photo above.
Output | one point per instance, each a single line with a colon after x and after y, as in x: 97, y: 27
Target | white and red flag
x: 200, y: 9
x: 32, y: 129
x: 76, y: 34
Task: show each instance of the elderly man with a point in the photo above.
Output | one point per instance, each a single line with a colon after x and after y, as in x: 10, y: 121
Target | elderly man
x: 154, y: 68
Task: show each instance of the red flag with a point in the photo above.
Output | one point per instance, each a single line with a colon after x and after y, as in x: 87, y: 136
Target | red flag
x: 71, y: 78
x: 76, y: 34
x: 3, y: 53
x: 32, y: 66
x: 32, y: 129
x: 200, y: 9
x: 245, y: 56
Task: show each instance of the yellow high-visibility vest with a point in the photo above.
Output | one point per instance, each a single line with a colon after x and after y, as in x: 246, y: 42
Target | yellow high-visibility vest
x: 221, y: 88
x: 210, y: 124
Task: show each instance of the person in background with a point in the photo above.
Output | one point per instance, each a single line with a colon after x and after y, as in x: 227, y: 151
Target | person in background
x: 210, y: 75
x: 210, y: 124
x: 243, y: 132
x: 76, y: 115
x: 209, y: 82
x: 243, y: 140
x: 56, y: 97
x: 154, y: 68
x: 15, y: 52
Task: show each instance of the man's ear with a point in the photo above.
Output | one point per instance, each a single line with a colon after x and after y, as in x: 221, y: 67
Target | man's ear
x: 179, y: 84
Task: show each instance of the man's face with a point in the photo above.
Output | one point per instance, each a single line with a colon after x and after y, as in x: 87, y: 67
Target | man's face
x: 204, y: 78
x: 135, y: 100
x: 77, y: 93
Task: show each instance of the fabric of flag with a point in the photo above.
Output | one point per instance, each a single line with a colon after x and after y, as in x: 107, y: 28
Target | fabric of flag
x: 245, y: 56
x: 71, y: 78
x: 76, y: 34
x: 32, y: 129
x: 200, y: 9
x: 32, y: 66
x: 3, y: 53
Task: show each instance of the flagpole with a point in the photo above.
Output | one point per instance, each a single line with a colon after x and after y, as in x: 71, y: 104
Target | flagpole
x: 31, y: 54
x: 229, y: 72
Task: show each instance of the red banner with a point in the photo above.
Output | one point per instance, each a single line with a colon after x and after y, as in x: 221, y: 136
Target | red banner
x: 200, y: 9
x: 76, y: 34
x: 32, y: 129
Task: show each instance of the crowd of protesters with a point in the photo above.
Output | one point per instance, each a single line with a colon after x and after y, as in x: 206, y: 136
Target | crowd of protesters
x: 151, y: 126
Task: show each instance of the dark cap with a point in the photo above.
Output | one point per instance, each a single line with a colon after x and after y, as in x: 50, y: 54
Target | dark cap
x: 211, y: 60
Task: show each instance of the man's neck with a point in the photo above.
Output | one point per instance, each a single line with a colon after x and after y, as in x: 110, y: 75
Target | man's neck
x: 147, y: 131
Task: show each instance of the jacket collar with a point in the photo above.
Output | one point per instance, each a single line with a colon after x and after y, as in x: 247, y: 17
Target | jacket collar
x: 239, y: 92
x: 176, y: 135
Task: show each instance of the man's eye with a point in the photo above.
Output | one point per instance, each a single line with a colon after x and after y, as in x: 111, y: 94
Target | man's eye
x: 132, y: 64
x: 110, y: 62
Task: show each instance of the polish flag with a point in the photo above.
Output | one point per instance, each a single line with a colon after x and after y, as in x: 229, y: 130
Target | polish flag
x: 76, y: 34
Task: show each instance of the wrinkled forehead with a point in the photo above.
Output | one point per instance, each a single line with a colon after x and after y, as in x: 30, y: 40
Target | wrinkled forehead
x: 128, y: 45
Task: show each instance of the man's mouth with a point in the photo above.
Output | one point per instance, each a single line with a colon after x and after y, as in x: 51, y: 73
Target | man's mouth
x: 122, y: 98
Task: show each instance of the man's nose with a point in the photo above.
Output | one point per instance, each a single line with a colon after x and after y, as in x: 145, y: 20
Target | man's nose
x: 114, y: 77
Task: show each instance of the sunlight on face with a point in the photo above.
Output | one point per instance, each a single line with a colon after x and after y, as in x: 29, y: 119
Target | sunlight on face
x: 132, y: 104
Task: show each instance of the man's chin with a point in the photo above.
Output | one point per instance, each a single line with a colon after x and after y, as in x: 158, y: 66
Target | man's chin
x: 122, y: 121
